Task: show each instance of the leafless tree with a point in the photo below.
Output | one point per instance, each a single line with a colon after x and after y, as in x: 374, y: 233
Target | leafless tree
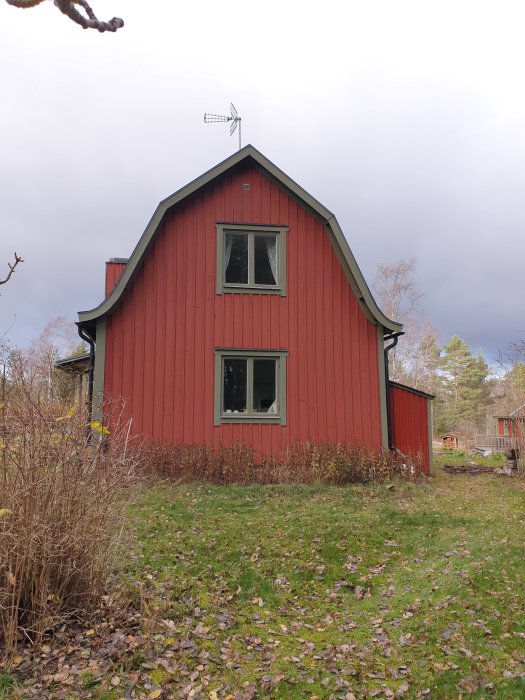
x: 6, y: 279
x: 58, y: 339
x: 510, y: 389
x: 396, y: 289
x: 415, y: 359
x: 69, y: 8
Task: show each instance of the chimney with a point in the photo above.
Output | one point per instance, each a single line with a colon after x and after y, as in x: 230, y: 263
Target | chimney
x: 114, y: 268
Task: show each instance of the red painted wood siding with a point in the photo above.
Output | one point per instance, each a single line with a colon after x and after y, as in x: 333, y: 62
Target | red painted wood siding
x: 113, y: 272
x: 410, y: 429
x: 513, y: 427
x: 160, y: 339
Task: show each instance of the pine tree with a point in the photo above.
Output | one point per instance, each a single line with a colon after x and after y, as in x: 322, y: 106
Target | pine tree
x: 466, y: 386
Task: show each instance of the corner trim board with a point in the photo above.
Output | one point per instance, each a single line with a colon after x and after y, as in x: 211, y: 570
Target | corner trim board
x: 100, y: 364
x: 383, y: 394
x: 430, y: 435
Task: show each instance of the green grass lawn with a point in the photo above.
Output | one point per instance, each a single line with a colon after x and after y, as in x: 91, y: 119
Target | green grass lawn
x: 394, y: 590
x: 460, y: 457
x: 321, y: 591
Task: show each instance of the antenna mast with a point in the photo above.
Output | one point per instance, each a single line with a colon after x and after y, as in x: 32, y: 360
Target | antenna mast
x: 233, y: 118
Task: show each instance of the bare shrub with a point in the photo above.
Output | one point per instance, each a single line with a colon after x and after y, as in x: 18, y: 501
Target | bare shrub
x: 303, y: 463
x: 60, y: 509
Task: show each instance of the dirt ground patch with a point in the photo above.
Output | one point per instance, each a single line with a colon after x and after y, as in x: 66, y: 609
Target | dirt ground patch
x: 471, y: 469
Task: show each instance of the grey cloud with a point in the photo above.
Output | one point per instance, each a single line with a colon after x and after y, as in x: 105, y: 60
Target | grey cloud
x: 410, y: 167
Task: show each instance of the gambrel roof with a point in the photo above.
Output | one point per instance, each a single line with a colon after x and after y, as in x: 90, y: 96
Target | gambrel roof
x: 249, y: 154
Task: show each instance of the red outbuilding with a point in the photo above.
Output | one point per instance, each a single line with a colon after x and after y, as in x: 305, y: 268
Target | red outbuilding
x: 512, y: 424
x: 242, y: 316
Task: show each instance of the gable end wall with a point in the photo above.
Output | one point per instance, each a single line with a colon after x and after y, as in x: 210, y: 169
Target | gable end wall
x: 160, y: 340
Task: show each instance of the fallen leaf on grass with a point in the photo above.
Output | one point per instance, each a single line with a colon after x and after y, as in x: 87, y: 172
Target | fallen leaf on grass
x: 376, y: 570
x: 359, y: 592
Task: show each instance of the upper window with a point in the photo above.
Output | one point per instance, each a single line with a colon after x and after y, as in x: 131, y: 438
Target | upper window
x: 250, y: 386
x: 251, y: 259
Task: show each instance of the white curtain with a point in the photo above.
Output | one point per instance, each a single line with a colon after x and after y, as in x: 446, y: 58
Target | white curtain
x: 271, y: 250
x: 227, y: 251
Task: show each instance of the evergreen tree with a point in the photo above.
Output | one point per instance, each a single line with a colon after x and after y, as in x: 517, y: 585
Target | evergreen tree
x: 466, y: 387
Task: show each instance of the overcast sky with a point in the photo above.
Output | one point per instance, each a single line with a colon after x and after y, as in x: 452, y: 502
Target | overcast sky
x: 406, y: 119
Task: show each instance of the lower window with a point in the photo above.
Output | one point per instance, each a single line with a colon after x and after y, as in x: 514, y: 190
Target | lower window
x: 250, y: 386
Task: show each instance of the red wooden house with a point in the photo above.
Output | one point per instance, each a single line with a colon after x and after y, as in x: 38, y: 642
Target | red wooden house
x: 512, y: 424
x: 242, y: 315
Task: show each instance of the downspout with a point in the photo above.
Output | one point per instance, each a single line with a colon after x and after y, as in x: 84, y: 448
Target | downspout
x: 91, y: 368
x: 394, y: 337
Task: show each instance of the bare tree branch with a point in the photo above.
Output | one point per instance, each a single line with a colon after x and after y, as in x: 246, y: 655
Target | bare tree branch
x: 89, y: 22
x: 18, y: 259
x: 24, y: 3
x: 67, y: 7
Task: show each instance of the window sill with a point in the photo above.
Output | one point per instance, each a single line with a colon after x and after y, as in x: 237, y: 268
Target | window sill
x: 253, y: 418
x: 244, y: 289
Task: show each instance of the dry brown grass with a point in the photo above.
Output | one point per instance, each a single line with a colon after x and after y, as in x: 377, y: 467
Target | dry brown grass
x: 60, y: 511
x: 303, y: 463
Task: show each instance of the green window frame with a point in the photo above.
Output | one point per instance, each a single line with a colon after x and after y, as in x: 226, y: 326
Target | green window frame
x: 251, y: 231
x: 249, y: 415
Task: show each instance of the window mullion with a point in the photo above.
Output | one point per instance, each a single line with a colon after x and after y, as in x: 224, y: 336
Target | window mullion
x: 249, y: 385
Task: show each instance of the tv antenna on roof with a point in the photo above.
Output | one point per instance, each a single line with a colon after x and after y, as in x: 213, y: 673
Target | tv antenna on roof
x: 233, y: 118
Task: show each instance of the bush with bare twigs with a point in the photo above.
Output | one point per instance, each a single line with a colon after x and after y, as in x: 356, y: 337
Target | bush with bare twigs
x: 61, y: 510
x: 303, y: 463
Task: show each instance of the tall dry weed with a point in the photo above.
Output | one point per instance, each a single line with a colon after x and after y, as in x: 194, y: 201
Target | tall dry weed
x: 60, y: 509
x: 302, y: 463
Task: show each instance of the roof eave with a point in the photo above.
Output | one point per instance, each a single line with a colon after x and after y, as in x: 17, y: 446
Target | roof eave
x: 364, y: 295
x: 412, y: 390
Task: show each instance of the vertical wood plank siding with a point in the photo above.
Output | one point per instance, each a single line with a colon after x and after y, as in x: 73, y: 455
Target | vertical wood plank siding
x: 410, y: 429
x: 113, y: 272
x: 160, y: 339
x: 513, y: 428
